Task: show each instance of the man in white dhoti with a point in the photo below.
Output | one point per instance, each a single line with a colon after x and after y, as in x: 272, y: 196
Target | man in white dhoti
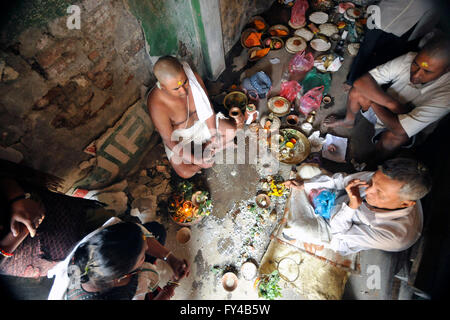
x: 182, y: 114
x: 375, y: 210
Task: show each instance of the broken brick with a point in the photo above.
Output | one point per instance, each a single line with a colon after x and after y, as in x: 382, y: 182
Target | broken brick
x: 103, y: 80
x: 93, y: 55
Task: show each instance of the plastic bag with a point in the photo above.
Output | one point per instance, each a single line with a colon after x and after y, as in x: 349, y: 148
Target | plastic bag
x: 311, y: 100
x: 290, y: 89
x: 257, y: 86
x: 298, y: 13
x: 301, y: 62
x: 315, y: 79
x: 323, y: 201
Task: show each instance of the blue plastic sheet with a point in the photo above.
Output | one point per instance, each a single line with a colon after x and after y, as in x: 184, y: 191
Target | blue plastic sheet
x: 323, y: 202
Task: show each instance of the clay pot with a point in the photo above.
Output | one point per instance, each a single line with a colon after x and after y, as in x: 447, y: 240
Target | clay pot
x: 183, y: 235
x: 263, y: 200
x: 292, y: 120
x: 229, y: 281
x: 327, y: 102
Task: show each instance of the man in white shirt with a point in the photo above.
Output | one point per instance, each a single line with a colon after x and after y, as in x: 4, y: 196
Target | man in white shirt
x: 418, y: 96
x: 401, y: 25
x: 375, y: 210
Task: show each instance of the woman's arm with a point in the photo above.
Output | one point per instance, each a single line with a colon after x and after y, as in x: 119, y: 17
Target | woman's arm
x: 22, y: 209
x: 179, y: 267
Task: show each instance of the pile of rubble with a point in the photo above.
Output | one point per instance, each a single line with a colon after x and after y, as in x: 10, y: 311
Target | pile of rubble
x: 148, y: 187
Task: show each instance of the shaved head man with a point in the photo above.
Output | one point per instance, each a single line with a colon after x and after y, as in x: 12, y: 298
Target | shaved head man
x: 183, y: 115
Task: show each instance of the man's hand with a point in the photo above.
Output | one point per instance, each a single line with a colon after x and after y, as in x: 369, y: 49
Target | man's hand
x: 209, y: 153
x: 206, y: 163
x: 294, y: 184
x: 28, y: 212
x: 353, y: 192
x: 179, y: 267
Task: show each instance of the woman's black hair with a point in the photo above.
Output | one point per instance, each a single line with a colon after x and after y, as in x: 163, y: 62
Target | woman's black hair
x: 108, y: 255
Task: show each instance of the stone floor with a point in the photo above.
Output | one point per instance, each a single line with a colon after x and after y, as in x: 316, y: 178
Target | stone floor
x: 217, y: 240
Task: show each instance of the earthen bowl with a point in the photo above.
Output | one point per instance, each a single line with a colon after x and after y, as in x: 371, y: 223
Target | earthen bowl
x: 263, y: 200
x: 229, y: 281
x: 255, y: 58
x: 244, y: 36
x: 184, y: 235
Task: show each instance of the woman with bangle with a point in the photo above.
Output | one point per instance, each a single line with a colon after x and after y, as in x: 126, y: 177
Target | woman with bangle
x: 38, y: 225
x: 115, y: 262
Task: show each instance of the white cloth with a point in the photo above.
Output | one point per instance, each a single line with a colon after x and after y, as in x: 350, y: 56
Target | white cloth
x: 202, y: 104
x: 431, y: 100
x: 199, y: 132
x: 398, y: 16
x: 362, y: 229
x: 59, y: 271
x: 303, y: 223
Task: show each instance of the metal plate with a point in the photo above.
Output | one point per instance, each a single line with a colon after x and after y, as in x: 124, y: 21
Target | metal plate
x: 302, y: 148
x: 292, y: 47
x: 235, y: 99
x: 276, y: 111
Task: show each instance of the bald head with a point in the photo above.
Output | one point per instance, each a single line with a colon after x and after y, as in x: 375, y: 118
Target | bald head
x: 432, y: 61
x: 167, y: 68
x: 438, y: 48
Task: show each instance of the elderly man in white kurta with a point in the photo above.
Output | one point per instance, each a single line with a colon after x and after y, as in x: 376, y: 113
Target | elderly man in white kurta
x: 418, y: 96
x: 375, y: 210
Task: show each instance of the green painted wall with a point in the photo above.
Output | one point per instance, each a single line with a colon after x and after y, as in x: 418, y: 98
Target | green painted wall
x: 23, y: 14
x: 170, y: 28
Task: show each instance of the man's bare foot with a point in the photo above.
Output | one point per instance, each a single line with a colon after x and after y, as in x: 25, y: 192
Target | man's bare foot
x: 333, y: 121
x: 346, y: 87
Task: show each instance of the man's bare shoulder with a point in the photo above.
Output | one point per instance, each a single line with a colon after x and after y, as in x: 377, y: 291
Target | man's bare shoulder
x: 155, y: 101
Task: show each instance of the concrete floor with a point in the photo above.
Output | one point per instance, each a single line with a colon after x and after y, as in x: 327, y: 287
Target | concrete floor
x: 217, y: 240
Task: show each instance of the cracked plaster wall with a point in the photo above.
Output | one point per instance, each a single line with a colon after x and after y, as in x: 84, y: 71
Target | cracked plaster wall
x: 60, y: 89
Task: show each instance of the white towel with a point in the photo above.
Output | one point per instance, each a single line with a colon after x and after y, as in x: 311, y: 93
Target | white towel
x: 202, y: 104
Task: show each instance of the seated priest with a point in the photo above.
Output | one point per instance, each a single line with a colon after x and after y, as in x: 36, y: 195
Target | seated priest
x: 182, y: 114
x: 374, y: 210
